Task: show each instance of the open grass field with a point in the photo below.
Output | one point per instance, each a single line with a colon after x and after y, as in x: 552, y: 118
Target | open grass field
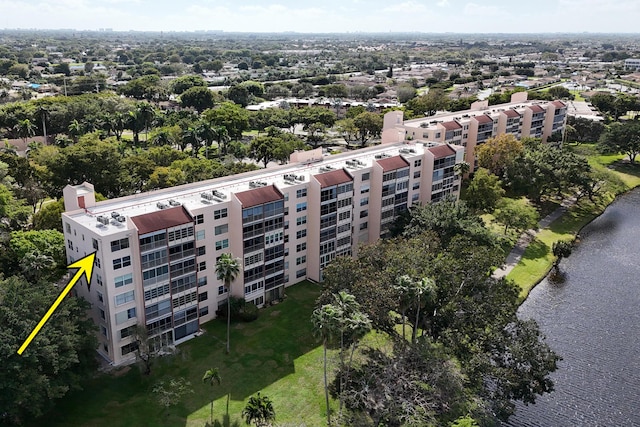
x: 538, y: 258
x: 277, y: 355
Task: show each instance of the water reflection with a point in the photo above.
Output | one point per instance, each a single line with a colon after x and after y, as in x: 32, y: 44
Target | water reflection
x: 593, y: 321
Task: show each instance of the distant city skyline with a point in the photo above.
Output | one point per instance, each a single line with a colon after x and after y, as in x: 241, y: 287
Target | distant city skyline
x: 329, y: 16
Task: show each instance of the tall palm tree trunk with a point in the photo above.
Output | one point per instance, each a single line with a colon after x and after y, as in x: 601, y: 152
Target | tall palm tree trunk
x: 228, y: 315
x: 326, y: 385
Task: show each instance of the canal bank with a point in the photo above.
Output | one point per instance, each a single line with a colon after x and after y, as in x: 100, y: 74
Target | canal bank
x: 592, y: 320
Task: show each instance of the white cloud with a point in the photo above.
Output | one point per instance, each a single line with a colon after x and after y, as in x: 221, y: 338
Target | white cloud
x: 443, y: 3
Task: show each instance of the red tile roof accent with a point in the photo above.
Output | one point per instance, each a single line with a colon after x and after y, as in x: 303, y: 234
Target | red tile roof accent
x: 332, y: 178
x: 392, y: 163
x: 559, y: 104
x: 512, y: 114
x: 441, y: 151
x: 452, y: 125
x: 536, y: 108
x: 259, y: 196
x: 483, y: 118
x: 159, y: 220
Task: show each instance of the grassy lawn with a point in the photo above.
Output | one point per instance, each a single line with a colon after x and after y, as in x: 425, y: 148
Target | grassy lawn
x: 277, y: 355
x: 538, y: 259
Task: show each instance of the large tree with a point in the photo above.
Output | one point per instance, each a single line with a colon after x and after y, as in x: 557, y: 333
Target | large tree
x: 259, y: 410
x: 227, y: 269
x: 484, y: 191
x: 498, y: 153
x: 622, y: 138
x: 61, y: 355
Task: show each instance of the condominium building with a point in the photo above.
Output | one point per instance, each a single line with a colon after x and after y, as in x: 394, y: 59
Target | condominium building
x: 470, y: 128
x: 156, y: 251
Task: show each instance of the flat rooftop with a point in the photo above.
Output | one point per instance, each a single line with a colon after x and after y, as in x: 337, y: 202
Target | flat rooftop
x: 189, y: 195
x: 467, y: 114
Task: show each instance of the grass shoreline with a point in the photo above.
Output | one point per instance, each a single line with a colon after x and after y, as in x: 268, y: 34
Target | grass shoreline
x: 537, y: 260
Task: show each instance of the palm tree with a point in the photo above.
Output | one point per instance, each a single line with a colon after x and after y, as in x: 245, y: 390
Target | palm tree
x: 227, y: 269
x: 325, y: 320
x: 147, y: 114
x: 211, y: 376
x: 75, y: 130
x: 25, y: 129
x: 135, y: 122
x: 190, y: 136
x: 259, y: 410
x: 43, y: 112
x: 461, y: 168
x: 427, y: 287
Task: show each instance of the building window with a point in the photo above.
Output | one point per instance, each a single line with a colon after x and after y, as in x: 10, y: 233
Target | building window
x: 131, y: 347
x: 202, y: 281
x: 300, y: 234
x: 204, y: 311
x: 99, y: 279
x: 127, y: 332
x: 222, y: 244
x: 364, y: 213
x: 120, y: 281
x: 203, y: 296
x: 417, y: 163
x: 415, y: 198
x: 202, y: 250
x: 301, y: 207
x: 344, y: 215
x: 199, y: 219
x: 416, y: 185
x: 102, y: 316
x: 301, y: 220
x: 364, y: 201
x: 301, y: 193
x: 123, y: 316
x: 67, y: 228
x: 364, y: 189
x: 301, y: 247
x: 200, y: 235
x: 416, y: 174
x: 202, y: 265
x: 219, y: 214
x: 366, y: 176
x: 121, y: 262
x: 221, y: 229
x: 301, y: 260
x: 301, y: 273
x: 221, y: 290
x: 364, y: 225
x: 70, y: 244
x: 116, y: 245
x: 100, y: 297
x: 97, y: 262
x: 124, y: 298
x: 94, y: 243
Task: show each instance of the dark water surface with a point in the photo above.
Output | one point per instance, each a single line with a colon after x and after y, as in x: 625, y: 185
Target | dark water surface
x: 593, y: 321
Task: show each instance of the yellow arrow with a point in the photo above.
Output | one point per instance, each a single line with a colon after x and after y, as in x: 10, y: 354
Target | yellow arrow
x: 84, y: 266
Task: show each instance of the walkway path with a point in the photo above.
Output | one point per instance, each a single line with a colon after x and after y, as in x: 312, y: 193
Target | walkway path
x: 525, y: 238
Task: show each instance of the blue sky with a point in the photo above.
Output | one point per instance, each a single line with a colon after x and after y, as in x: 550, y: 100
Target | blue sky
x: 467, y: 16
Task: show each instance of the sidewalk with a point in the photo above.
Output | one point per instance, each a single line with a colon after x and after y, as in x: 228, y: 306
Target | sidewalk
x: 525, y: 238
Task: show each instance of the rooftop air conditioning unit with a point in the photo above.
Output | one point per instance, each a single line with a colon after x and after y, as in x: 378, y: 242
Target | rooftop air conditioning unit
x: 121, y: 219
x: 206, y: 196
x: 161, y: 205
x: 115, y: 214
x: 219, y: 194
x: 174, y: 203
x: 103, y: 220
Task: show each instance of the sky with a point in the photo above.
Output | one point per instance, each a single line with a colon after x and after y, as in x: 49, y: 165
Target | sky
x: 429, y: 16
